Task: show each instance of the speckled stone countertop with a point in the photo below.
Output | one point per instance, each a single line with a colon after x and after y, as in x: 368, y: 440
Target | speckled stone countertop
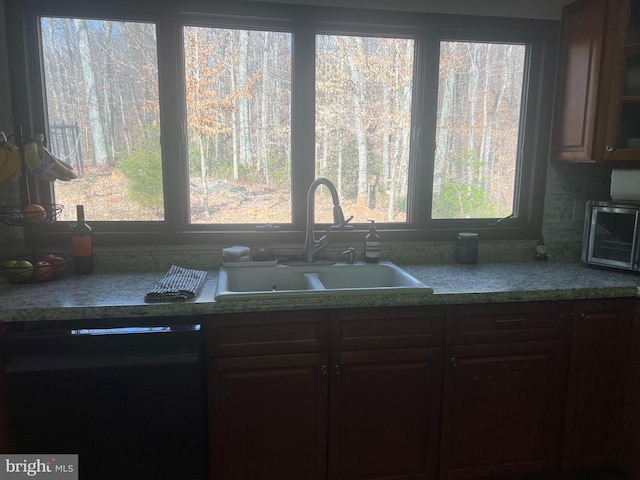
x: 121, y: 295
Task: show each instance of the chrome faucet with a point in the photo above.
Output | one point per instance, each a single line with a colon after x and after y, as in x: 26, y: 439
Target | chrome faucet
x: 311, y: 245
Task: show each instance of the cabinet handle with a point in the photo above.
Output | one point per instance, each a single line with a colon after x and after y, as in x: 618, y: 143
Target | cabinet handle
x: 585, y: 316
x: 454, y: 361
x: 324, y: 369
x: 336, y: 369
x: 510, y: 322
x: 609, y: 148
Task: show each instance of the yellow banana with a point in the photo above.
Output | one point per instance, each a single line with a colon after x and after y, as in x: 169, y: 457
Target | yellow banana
x: 63, y: 172
x: 31, y: 157
x: 65, y: 164
x: 44, y: 165
x: 10, y: 161
x: 38, y: 166
x: 3, y: 153
x: 59, y: 168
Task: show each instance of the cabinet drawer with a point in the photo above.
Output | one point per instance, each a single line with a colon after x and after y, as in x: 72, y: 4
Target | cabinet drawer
x: 267, y: 333
x: 507, y: 322
x: 393, y: 327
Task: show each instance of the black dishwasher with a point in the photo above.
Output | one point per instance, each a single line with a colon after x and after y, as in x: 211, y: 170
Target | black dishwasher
x: 129, y: 400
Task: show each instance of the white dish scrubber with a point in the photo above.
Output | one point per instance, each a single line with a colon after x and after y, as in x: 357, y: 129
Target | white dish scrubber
x: 236, y: 253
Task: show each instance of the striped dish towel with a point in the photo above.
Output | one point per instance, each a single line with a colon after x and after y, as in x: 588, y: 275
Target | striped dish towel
x: 178, y: 284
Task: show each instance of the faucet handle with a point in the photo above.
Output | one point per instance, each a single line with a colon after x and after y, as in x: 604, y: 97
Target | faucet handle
x: 342, y: 225
x: 350, y: 255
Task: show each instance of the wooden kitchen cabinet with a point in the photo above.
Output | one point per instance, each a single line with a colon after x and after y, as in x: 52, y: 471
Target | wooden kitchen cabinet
x: 384, y: 393
x: 268, y: 417
x: 597, y: 106
x: 6, y: 443
x: 630, y: 458
x: 385, y: 414
x: 267, y: 395
x: 451, y: 393
x: 597, y: 378
x: 364, y: 405
x: 502, y: 400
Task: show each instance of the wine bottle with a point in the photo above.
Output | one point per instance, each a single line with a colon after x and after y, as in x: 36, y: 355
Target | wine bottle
x: 82, y: 244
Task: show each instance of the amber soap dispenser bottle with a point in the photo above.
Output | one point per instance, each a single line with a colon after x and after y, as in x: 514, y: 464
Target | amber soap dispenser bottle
x: 372, y: 244
x: 82, y: 244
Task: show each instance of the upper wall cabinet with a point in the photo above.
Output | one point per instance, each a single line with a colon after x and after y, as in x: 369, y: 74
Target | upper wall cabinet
x: 597, y: 114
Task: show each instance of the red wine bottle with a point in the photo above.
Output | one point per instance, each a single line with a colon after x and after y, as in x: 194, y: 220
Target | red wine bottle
x: 82, y: 244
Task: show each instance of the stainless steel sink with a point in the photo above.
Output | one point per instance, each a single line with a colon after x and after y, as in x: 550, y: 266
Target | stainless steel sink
x: 249, y: 282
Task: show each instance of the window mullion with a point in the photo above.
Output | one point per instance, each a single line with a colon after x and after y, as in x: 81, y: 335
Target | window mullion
x: 303, y: 120
x: 172, y: 122
x: 426, y: 115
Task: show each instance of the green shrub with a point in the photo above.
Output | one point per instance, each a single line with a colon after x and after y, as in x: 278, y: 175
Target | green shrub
x: 143, y: 171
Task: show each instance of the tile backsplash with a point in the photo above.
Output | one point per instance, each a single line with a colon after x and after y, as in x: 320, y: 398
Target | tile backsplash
x: 568, y: 187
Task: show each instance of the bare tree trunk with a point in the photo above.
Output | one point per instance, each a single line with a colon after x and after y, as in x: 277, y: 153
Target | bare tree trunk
x: 340, y: 162
x: 474, y: 81
x: 443, y: 146
x: 358, y: 120
x: 203, y: 175
x: 107, y: 83
x: 234, y: 121
x: 263, y: 147
x: 386, y: 146
x: 125, y: 127
x: 95, y: 122
x: 244, y: 133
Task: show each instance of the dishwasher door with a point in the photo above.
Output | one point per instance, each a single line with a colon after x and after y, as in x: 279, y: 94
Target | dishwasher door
x: 129, y: 402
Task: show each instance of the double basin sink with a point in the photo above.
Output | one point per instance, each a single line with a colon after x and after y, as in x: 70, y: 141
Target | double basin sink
x: 288, y: 280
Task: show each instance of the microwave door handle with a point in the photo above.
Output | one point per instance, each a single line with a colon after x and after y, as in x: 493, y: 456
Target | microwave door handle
x: 635, y: 254
x: 589, y: 217
x: 593, y: 227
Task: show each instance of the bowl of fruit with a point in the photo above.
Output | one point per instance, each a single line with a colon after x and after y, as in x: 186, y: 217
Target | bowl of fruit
x: 30, y: 269
x: 32, y: 214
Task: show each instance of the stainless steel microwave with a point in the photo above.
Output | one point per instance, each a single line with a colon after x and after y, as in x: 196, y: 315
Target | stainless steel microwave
x: 612, y: 234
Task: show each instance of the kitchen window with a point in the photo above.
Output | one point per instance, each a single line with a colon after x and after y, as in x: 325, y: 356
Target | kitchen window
x: 238, y: 102
x: 101, y: 90
x: 480, y: 90
x: 364, y: 102
x: 210, y: 127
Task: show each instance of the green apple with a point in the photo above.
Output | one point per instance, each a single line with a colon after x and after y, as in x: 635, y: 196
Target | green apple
x: 7, y: 264
x: 6, y: 268
x: 22, y: 271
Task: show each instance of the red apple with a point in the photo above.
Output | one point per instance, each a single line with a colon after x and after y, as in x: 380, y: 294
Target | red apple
x: 42, y: 271
x: 58, y: 264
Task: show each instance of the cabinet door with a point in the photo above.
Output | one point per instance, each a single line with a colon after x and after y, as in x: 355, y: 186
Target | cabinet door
x: 580, y: 102
x: 6, y: 444
x: 630, y: 460
x: 501, y: 409
x: 384, y: 420
x: 268, y: 417
x: 595, y: 392
x: 623, y: 124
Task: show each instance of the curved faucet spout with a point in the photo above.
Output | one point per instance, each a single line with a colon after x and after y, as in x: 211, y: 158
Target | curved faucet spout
x: 311, y: 245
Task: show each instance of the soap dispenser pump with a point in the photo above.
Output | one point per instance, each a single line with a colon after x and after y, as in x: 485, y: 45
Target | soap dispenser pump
x: 372, y: 244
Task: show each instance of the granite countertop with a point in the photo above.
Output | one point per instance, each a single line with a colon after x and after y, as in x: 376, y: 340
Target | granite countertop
x: 121, y: 295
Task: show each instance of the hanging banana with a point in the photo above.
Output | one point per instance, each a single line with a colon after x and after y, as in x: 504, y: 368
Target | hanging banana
x: 44, y: 165
x: 10, y: 161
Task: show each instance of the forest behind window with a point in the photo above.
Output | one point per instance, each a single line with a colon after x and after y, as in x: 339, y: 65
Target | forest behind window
x: 371, y: 126
x: 101, y: 81
x: 480, y: 90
